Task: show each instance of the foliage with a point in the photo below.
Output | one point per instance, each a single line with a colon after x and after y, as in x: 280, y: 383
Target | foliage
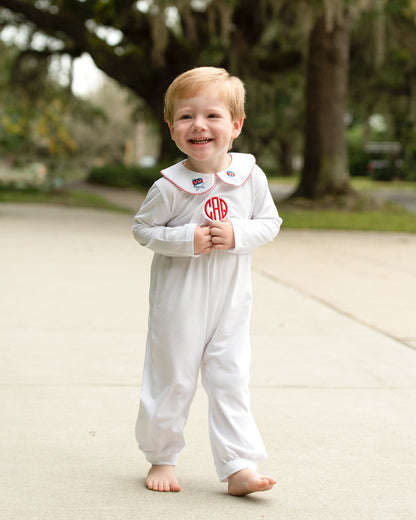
x: 46, y: 124
x: 39, y: 127
x: 273, y: 127
x: 34, y: 115
x: 120, y: 176
x: 143, y: 45
x: 106, y: 136
x: 383, y: 67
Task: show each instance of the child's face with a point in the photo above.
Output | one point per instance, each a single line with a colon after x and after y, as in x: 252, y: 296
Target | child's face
x: 203, y: 129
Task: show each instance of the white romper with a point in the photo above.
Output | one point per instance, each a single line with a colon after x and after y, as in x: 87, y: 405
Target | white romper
x: 200, y: 310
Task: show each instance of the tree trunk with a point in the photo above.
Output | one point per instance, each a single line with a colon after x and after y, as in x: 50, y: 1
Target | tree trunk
x: 325, y: 170
x: 285, y: 157
x: 168, y: 150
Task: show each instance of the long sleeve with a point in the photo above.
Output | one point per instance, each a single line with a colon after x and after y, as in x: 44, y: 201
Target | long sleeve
x: 151, y: 228
x: 265, y: 222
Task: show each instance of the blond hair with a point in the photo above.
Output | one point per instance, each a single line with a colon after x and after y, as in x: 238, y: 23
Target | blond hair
x: 230, y: 90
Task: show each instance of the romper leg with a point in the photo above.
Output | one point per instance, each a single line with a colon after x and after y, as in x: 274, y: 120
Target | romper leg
x: 171, y: 367
x: 235, y: 440
x: 168, y: 388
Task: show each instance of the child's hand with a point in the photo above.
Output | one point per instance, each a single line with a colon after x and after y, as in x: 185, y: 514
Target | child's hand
x: 222, y: 234
x: 202, y: 240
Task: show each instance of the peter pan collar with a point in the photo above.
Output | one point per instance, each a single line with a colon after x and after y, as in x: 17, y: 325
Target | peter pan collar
x: 198, y: 183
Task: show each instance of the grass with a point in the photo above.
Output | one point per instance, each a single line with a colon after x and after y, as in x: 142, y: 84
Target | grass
x: 361, y: 184
x: 71, y: 198
x: 388, y: 218
x: 365, y: 185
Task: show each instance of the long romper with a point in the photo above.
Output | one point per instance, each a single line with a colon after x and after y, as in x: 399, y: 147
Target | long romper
x: 200, y: 310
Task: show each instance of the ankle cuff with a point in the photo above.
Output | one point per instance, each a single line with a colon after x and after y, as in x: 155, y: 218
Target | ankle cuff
x: 235, y: 465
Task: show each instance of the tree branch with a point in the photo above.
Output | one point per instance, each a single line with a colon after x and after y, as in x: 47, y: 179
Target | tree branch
x: 61, y: 24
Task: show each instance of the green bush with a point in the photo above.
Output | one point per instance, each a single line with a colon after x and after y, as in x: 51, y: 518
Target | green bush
x: 357, y: 161
x: 120, y: 176
x: 409, y: 164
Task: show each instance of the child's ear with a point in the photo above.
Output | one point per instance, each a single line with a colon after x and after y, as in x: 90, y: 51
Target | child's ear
x: 171, y: 131
x: 237, y: 126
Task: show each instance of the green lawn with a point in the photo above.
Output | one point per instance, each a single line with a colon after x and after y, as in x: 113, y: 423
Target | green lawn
x: 390, y: 218
x: 363, y: 184
x: 76, y: 198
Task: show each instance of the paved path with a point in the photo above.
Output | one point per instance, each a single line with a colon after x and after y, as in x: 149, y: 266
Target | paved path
x: 333, y: 375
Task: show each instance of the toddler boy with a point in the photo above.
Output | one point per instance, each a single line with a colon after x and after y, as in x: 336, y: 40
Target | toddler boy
x: 202, y: 219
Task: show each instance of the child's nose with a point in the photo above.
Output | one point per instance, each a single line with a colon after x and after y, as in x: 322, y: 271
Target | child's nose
x: 199, y: 122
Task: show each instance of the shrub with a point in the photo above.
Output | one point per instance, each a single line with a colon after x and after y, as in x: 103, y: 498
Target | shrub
x: 357, y: 161
x: 120, y: 176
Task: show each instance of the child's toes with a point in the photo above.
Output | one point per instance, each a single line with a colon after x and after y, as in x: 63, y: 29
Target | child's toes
x: 164, y: 486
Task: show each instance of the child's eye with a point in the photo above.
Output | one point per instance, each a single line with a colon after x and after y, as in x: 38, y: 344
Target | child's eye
x: 185, y: 116
x: 213, y: 115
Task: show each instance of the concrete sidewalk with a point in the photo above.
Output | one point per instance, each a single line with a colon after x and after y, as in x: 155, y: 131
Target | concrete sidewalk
x: 333, y: 376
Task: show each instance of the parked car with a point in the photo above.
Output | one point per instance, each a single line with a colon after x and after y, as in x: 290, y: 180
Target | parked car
x: 386, y: 162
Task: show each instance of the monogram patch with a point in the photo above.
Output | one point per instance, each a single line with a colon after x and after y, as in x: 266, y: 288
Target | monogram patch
x: 216, y: 208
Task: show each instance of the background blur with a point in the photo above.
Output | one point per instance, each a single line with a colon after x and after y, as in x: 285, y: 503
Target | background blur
x: 331, y: 89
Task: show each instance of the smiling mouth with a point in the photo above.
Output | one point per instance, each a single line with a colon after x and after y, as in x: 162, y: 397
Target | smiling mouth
x: 200, y: 141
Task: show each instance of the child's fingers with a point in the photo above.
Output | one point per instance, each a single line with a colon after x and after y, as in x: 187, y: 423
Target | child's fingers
x: 222, y: 234
x: 202, y: 240
x: 217, y: 235
x: 207, y: 238
x: 216, y: 228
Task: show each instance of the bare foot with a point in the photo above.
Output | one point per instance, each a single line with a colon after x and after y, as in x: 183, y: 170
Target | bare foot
x: 248, y: 481
x: 162, y: 478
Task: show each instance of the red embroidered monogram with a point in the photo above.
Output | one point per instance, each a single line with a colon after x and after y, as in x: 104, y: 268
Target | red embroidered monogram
x: 216, y: 208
